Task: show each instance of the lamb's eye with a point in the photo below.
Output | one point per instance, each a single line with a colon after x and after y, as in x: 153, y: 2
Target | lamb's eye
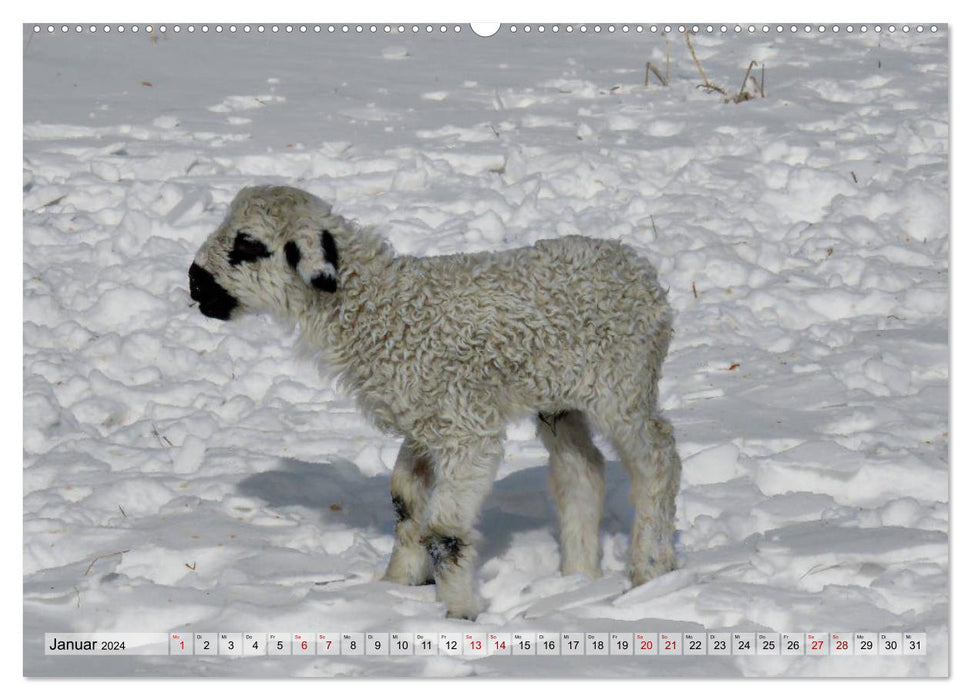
x: 247, y: 249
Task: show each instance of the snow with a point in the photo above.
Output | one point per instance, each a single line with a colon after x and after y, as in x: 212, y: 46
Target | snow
x: 186, y: 475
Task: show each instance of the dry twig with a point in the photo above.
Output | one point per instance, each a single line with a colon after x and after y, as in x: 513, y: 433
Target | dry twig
x: 741, y: 90
x: 103, y: 556
x: 706, y: 84
x: 650, y: 68
x: 667, y: 62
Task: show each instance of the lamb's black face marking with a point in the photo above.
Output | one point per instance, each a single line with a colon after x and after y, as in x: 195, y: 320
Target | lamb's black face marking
x: 292, y: 251
x: 214, y: 301
x: 247, y: 249
x: 326, y: 283
x: 444, y: 549
x: 330, y: 249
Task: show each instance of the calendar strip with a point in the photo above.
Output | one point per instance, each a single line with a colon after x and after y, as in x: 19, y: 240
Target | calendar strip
x: 487, y: 644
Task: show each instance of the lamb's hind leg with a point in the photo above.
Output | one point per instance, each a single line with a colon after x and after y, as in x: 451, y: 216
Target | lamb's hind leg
x: 464, y: 475
x: 649, y: 455
x: 411, y: 481
x: 577, y: 478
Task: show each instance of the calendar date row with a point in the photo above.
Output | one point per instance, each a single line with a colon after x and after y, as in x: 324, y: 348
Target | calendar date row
x: 482, y: 644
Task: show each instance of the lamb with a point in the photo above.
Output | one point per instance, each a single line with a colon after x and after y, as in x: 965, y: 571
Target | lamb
x: 446, y: 351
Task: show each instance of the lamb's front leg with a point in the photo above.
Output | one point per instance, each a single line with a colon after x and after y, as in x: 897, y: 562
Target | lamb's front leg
x: 411, y: 481
x: 464, y: 477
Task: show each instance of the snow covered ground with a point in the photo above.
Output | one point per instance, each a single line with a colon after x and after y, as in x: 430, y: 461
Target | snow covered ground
x: 181, y: 474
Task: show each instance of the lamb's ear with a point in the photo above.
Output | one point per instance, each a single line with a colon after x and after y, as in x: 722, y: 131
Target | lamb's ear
x: 316, y: 261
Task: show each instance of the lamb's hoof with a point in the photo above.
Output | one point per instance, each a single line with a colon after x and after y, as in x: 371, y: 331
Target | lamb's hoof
x: 652, y: 569
x: 468, y: 615
x: 409, y: 569
x: 463, y: 610
x: 409, y: 580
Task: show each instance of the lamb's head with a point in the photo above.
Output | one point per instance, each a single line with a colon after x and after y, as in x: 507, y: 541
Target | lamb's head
x: 273, y: 252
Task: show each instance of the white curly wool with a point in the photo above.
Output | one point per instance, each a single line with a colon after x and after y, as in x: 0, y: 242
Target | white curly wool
x: 445, y: 351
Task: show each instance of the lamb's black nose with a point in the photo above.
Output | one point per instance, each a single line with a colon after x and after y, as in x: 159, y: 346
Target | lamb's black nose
x: 196, y: 274
x: 214, y: 301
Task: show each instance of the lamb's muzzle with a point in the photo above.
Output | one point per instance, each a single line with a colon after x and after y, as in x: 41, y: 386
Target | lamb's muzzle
x: 214, y: 301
